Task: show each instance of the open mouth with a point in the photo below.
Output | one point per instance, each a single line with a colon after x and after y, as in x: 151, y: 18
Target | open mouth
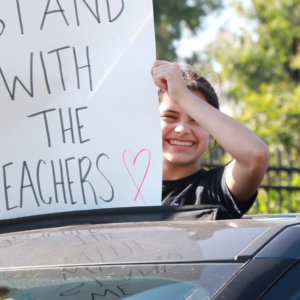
x: 180, y: 143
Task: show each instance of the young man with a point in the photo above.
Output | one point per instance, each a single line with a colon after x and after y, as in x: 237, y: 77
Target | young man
x: 190, y: 121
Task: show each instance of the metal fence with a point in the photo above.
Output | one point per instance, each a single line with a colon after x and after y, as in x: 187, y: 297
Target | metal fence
x: 280, y: 189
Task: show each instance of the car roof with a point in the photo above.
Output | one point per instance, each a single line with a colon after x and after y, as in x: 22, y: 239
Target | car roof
x: 159, y: 240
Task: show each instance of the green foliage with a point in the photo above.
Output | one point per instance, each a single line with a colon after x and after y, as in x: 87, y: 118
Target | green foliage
x: 171, y: 17
x: 260, y: 207
x: 262, y: 70
x: 261, y: 78
x: 280, y: 190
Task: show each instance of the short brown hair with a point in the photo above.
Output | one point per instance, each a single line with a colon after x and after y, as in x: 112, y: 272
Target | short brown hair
x: 197, y: 83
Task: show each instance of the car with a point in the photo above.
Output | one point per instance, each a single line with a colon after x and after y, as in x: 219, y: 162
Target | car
x: 165, y: 252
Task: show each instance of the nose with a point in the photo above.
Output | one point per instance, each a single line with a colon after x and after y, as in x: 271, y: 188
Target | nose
x: 182, y: 127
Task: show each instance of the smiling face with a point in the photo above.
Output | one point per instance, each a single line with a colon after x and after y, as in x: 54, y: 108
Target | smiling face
x: 184, y: 140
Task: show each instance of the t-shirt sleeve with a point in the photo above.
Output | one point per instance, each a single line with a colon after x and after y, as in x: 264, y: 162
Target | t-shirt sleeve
x: 223, y: 196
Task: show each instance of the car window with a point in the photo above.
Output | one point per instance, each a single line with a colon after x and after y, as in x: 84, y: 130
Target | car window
x: 131, y: 282
x: 288, y: 287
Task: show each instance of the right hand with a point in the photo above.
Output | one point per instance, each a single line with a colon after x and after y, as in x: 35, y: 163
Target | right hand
x: 168, y: 76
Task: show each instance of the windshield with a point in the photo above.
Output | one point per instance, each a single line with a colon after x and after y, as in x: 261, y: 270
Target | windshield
x: 132, y: 282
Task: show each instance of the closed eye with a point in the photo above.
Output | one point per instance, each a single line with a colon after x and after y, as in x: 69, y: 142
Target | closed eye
x: 171, y: 117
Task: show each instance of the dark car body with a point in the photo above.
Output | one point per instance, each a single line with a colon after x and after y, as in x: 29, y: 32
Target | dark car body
x: 150, y: 253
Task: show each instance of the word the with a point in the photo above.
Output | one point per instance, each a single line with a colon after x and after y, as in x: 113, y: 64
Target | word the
x: 74, y: 127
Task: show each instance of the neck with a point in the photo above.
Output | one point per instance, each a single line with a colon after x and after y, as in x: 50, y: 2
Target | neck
x: 173, y: 172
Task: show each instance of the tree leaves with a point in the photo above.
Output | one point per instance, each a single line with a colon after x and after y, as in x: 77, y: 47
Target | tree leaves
x: 172, y: 17
x: 262, y: 69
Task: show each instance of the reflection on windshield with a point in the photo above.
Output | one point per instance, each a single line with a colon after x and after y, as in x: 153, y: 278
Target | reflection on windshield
x: 131, y: 282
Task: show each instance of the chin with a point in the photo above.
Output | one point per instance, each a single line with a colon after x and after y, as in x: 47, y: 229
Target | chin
x: 177, y: 160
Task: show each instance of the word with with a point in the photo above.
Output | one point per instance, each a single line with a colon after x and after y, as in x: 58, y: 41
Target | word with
x: 62, y: 178
x: 32, y: 76
x: 138, y: 187
x: 73, y: 127
x: 59, y: 12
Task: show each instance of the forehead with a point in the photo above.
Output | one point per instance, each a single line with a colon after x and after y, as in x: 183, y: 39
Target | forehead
x: 167, y: 104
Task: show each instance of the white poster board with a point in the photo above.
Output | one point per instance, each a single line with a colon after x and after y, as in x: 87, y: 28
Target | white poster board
x: 79, y: 115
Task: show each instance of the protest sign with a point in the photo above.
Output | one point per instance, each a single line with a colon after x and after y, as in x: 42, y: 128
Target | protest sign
x: 79, y: 115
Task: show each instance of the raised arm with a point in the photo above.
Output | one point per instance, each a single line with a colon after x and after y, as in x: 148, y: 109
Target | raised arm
x: 250, y: 155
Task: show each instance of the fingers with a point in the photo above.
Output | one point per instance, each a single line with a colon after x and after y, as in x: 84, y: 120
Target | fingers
x: 168, y: 76
x: 158, y: 63
x: 164, y: 67
x: 167, y: 71
x: 160, y: 82
x: 158, y: 73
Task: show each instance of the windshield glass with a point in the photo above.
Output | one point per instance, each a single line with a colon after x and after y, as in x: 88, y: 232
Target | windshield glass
x: 132, y: 282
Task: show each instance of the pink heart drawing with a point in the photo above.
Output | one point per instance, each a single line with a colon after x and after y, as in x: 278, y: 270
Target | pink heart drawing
x: 130, y: 173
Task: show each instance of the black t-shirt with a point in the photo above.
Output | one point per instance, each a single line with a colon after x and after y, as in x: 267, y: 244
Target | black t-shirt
x: 203, y: 187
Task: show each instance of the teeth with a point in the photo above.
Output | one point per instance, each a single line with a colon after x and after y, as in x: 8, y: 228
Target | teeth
x: 181, y: 143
